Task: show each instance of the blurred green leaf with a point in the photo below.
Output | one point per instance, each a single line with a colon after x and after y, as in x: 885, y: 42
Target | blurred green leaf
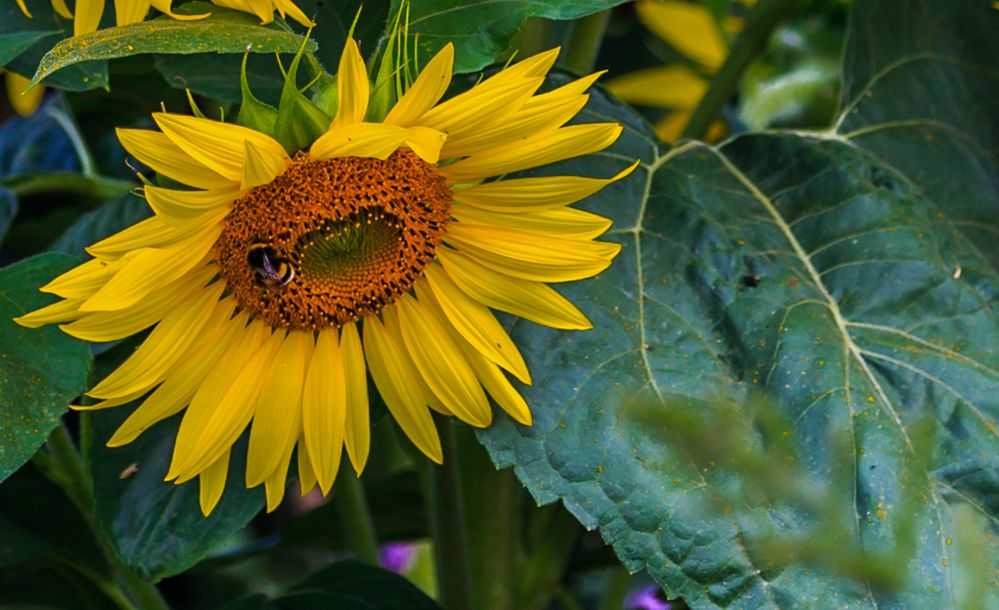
x: 217, y: 76
x: 8, y: 210
x: 48, y: 524
x: 41, y: 370
x: 842, y: 274
x: 482, y: 29
x: 15, y: 43
x: 225, y: 31
x: 95, y: 225
x: 345, y: 585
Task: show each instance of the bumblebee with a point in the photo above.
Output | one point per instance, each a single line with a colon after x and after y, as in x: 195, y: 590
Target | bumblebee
x: 271, y: 272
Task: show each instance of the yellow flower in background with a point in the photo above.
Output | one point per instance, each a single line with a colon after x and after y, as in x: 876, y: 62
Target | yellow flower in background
x: 87, y: 15
x: 275, y: 282
x: 24, y: 101
x: 690, y: 29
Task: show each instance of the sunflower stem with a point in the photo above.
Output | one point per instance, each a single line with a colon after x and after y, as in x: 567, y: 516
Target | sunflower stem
x: 616, y: 591
x: 492, y: 499
x: 448, y: 523
x: 583, y: 44
x: 352, y: 504
x: 759, y: 25
x: 65, y: 467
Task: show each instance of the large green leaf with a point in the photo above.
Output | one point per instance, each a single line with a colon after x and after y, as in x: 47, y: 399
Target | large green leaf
x: 41, y: 370
x: 826, y: 272
x: 157, y: 526
x: 225, y: 31
x: 482, y: 29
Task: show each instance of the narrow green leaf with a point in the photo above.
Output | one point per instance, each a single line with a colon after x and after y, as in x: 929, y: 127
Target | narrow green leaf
x: 225, y: 31
x: 41, y: 370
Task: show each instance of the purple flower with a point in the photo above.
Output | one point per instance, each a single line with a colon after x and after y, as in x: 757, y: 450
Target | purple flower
x: 647, y: 598
x: 397, y: 556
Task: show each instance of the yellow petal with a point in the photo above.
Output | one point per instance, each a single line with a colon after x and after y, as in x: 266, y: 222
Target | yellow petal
x: 166, y: 344
x: 184, y: 379
x: 532, y: 301
x: 677, y: 87
x: 163, y: 6
x: 156, y: 151
x: 352, y: 87
x: 184, y: 205
x: 130, y: 11
x: 539, y: 114
x: 216, y: 145
x: 441, y: 364
x: 151, y: 269
x: 223, y: 404
x: 60, y: 311
x: 472, y: 320
x: 496, y: 383
x: 59, y: 6
x: 261, y: 165
x: 289, y: 7
x: 24, y: 9
x: 88, y: 16
x: 564, y: 143
x: 395, y: 377
x: 378, y: 141
x: 23, y: 100
x: 357, y: 434
x: 114, y: 325
x: 670, y: 128
x: 84, y: 280
x: 324, y: 409
x: 306, y: 474
x: 277, y: 421
x: 212, y: 484
x: 534, y: 194
x: 531, y: 255
x: 686, y: 26
x: 462, y: 116
x: 561, y: 222
x: 426, y: 91
x: 274, y: 486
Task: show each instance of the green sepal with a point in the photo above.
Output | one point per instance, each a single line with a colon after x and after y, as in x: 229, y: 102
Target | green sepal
x: 327, y: 96
x: 299, y: 121
x: 254, y: 113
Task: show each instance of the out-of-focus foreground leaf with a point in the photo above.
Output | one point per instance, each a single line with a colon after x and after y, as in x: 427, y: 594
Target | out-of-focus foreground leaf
x: 225, y: 31
x: 41, y: 370
x: 347, y: 585
x: 849, y: 277
x: 482, y: 29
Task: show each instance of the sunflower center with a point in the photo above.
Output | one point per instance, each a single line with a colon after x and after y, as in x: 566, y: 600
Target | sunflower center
x: 332, y: 241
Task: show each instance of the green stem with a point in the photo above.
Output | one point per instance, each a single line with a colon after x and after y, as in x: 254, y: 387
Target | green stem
x: 492, y: 499
x: 352, y: 504
x: 585, y: 35
x: 448, y: 526
x: 616, y: 594
x: 65, y: 467
x: 551, y: 536
x: 759, y: 25
x: 87, y: 166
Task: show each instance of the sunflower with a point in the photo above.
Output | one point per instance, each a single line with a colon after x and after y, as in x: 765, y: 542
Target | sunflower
x: 88, y: 13
x: 277, y: 281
